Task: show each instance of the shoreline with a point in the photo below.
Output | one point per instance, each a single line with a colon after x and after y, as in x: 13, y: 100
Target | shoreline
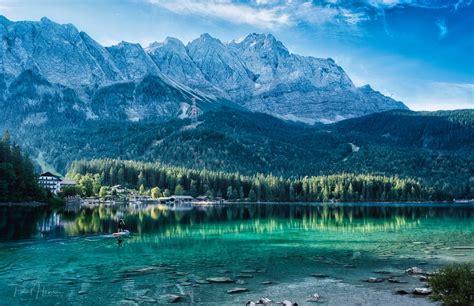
x: 35, y: 204
x: 24, y: 204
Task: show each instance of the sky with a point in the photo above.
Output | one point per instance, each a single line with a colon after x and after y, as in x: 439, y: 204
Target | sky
x: 416, y: 51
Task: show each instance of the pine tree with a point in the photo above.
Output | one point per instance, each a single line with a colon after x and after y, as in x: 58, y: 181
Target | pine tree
x: 229, y: 193
x: 252, y: 196
x: 179, y: 190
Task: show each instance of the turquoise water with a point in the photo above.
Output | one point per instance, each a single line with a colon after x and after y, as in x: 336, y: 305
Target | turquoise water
x: 59, y: 257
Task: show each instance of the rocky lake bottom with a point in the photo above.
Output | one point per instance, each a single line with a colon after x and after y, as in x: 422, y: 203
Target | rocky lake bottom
x: 330, y: 254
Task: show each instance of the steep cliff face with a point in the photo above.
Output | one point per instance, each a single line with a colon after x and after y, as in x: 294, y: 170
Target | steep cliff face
x: 173, y: 60
x: 126, y: 81
x: 222, y: 67
x: 132, y: 60
x: 303, y: 88
x: 260, y: 73
x: 60, y: 53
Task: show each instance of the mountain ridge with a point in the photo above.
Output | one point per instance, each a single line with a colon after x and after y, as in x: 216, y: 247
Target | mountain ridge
x: 258, y: 72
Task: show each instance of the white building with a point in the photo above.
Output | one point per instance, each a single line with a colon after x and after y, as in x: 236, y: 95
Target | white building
x: 50, y: 181
x: 176, y: 200
x: 54, y: 183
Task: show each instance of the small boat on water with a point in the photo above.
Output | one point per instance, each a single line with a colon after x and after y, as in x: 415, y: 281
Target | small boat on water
x: 123, y: 233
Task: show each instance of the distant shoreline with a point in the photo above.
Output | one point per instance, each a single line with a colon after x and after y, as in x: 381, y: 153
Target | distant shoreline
x: 23, y: 204
x: 34, y: 204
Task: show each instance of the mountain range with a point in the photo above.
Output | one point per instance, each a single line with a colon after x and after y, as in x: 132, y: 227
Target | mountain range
x: 261, y: 109
x: 83, y: 79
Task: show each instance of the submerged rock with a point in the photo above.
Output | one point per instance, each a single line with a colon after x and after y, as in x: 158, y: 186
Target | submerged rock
x: 261, y: 301
x: 374, y: 280
x: 414, y: 270
x: 240, y: 282
x: 170, y: 298
x: 248, y: 271
x: 422, y: 291
x: 237, y: 290
x: 220, y: 279
x: 401, y: 291
x: 314, y: 298
x: 268, y: 282
x: 395, y: 280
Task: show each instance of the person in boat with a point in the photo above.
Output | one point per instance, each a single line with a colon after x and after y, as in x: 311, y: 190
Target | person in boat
x: 121, y: 225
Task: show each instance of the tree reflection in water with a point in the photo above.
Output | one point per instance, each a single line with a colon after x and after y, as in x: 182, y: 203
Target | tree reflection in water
x: 20, y: 223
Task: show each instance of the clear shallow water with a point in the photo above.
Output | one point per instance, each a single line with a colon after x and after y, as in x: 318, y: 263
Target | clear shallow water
x: 57, y: 257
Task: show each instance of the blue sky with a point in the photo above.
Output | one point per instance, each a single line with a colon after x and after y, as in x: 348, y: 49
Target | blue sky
x: 417, y: 51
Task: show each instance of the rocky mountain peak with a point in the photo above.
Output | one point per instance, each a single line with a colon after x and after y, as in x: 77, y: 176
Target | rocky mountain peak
x: 132, y: 60
x: 170, y: 44
x: 257, y: 72
x: 265, y: 42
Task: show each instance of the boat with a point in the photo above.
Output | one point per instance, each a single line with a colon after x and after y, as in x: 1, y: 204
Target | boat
x: 123, y: 233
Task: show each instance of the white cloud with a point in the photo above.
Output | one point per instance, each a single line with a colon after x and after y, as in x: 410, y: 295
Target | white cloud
x: 442, y: 27
x: 385, y: 3
x: 269, y: 14
x: 441, y: 95
x: 236, y: 13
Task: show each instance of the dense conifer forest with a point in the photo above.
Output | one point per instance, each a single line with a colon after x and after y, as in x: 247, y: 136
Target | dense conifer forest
x: 168, y: 180
x: 434, y: 148
x: 18, y: 181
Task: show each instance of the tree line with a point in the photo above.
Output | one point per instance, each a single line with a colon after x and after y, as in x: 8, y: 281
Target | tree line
x: 18, y: 181
x: 159, y: 180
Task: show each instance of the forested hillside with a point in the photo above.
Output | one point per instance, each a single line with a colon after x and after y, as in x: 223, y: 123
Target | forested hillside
x: 232, y: 186
x: 434, y: 148
x: 441, y: 130
x: 17, y: 178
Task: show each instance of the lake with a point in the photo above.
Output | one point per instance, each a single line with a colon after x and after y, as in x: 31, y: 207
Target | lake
x: 69, y: 257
